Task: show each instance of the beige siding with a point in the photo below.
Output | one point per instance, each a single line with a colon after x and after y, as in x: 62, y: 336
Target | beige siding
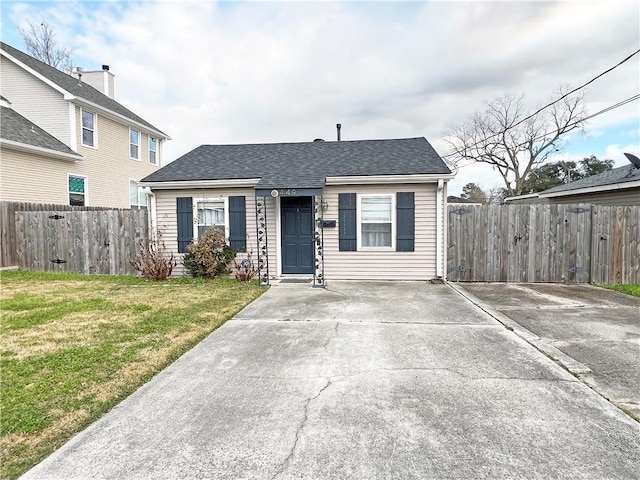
x: 366, y: 265
x: 108, y: 166
x: 50, y: 111
x: 166, y: 219
x: 384, y: 265
x: 26, y: 177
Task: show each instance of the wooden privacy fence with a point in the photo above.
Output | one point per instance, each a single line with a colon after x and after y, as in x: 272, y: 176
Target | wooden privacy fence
x: 98, y: 241
x: 544, y: 243
x: 8, y: 238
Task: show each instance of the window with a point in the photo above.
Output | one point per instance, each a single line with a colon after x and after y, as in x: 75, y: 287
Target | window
x: 210, y: 213
x: 88, y: 128
x: 137, y: 195
x: 153, y: 149
x: 77, y: 190
x: 134, y: 144
x: 375, y: 221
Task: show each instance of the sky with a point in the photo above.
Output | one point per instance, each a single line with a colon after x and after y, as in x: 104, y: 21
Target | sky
x: 270, y: 71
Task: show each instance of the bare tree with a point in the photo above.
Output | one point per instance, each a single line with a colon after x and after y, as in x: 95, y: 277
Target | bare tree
x: 41, y: 43
x: 513, y: 143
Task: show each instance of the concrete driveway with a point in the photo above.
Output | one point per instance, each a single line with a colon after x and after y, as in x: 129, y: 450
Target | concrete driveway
x: 597, y: 330
x: 363, y: 380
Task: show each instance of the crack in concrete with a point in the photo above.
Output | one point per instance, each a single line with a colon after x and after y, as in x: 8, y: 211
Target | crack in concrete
x: 292, y: 452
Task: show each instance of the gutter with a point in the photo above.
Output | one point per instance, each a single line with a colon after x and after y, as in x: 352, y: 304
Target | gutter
x: 178, y: 184
x: 24, y: 147
x: 378, y: 179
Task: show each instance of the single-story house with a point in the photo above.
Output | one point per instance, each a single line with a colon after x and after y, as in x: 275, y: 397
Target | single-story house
x: 370, y: 209
x: 619, y: 186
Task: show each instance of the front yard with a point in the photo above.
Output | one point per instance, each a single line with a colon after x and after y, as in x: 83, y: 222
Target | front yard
x: 73, y: 346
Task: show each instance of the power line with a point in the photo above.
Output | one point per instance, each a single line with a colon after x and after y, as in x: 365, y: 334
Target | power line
x: 626, y: 59
x: 598, y: 113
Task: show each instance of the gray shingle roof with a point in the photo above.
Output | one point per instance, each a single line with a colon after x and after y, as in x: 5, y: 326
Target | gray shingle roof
x: 74, y: 86
x: 626, y: 173
x: 303, y: 165
x: 14, y: 127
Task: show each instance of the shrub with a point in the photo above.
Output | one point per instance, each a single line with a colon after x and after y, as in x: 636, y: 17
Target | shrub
x: 152, y: 260
x: 210, y: 257
x: 245, y: 269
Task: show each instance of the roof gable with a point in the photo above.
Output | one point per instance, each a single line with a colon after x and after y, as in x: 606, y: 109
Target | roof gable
x: 304, y: 165
x: 75, y: 87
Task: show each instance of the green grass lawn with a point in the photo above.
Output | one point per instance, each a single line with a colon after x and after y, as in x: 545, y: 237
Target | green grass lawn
x: 73, y: 346
x: 628, y: 289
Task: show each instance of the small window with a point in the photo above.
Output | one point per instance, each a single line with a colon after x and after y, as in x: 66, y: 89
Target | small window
x: 210, y: 214
x: 77, y: 190
x: 376, y: 221
x: 137, y: 195
x: 153, y: 149
x: 88, y: 128
x: 134, y: 144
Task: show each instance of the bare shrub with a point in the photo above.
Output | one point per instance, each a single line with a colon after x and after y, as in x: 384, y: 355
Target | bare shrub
x: 153, y: 261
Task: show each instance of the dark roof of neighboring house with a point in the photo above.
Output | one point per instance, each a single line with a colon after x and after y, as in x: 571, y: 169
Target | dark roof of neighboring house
x: 16, y: 128
x: 74, y: 86
x: 303, y: 165
x: 627, y: 173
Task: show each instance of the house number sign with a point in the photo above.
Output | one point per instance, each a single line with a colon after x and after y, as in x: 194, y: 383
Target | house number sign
x: 287, y: 192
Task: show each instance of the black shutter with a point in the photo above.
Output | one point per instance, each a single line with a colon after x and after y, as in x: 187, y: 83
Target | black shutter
x: 184, y: 213
x: 347, y: 222
x: 406, y: 222
x: 237, y: 224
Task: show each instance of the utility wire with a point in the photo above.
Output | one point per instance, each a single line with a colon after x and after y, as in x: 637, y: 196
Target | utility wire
x: 555, y: 101
x: 600, y: 112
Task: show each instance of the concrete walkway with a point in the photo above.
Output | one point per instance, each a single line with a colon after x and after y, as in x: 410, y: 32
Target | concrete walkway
x: 598, y: 329
x: 363, y: 380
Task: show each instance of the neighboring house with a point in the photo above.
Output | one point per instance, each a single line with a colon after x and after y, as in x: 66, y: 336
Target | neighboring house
x: 66, y: 140
x: 371, y: 209
x: 619, y: 186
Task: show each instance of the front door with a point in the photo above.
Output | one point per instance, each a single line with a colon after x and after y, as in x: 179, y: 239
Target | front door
x: 297, y: 235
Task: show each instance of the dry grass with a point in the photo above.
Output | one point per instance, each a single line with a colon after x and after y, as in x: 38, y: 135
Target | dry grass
x: 72, y: 347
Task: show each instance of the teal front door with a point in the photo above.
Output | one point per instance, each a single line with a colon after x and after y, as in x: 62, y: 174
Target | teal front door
x: 297, y: 235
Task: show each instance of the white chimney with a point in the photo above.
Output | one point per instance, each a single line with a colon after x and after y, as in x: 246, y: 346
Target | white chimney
x: 102, y: 80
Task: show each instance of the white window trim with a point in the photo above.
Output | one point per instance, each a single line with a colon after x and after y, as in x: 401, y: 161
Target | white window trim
x: 138, y: 144
x: 156, y: 150
x: 196, y: 232
x: 360, y: 196
x: 138, y: 191
x: 86, y: 187
x: 95, y: 129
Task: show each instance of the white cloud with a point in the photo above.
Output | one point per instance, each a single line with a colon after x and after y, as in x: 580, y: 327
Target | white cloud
x: 226, y: 72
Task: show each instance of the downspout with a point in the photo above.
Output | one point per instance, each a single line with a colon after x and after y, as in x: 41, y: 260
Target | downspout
x: 153, y: 234
x: 439, y: 222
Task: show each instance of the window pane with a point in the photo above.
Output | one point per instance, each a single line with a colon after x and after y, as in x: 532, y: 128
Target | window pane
x: 376, y: 234
x: 152, y: 157
x: 142, y: 196
x: 133, y: 193
x: 76, y: 199
x: 133, y: 136
x: 76, y: 184
x: 87, y: 137
x: 210, y: 213
x: 87, y: 120
x: 152, y: 144
x: 376, y: 209
x: 133, y: 151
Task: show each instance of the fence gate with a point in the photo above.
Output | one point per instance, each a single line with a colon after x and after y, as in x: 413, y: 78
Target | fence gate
x: 519, y: 243
x: 98, y: 241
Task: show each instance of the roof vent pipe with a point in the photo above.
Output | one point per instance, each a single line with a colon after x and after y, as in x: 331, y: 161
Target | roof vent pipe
x: 338, y: 127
